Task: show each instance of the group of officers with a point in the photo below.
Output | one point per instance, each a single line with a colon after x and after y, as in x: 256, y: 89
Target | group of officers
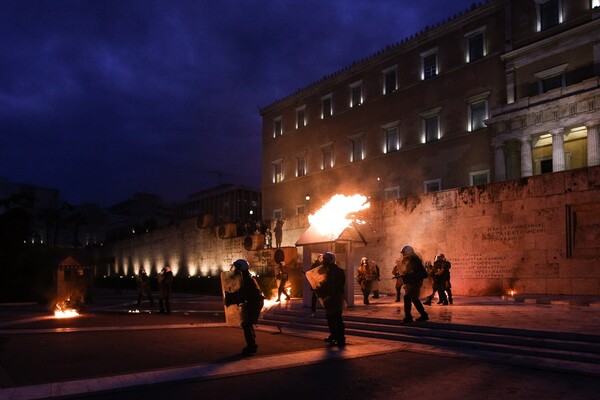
x: 409, y: 272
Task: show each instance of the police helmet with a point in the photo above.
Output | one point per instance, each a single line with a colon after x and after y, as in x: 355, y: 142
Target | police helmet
x: 406, y: 250
x: 241, y: 265
x: 329, y: 258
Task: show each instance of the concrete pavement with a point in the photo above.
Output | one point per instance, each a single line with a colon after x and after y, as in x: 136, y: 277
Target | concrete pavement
x: 113, y: 347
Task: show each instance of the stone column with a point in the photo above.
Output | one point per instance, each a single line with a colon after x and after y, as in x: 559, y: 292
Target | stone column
x: 558, y: 149
x: 593, y: 143
x: 499, y: 162
x: 526, y: 163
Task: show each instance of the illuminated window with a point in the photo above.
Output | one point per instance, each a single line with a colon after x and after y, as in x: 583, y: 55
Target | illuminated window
x: 431, y: 125
x: 479, y: 178
x: 326, y: 106
x: 549, y: 13
x: 356, y: 96
x: 357, y: 148
x: 477, y: 111
x: 300, y: 166
x: 392, y: 140
x: 277, y: 171
x: 475, y: 44
x: 551, y: 78
x: 434, y: 185
x: 391, y: 193
x: 429, y: 67
x: 277, y: 126
x: 300, y: 117
x: 327, y: 152
x: 595, y: 3
x: 477, y: 115
x: 432, y: 128
x: 390, y: 80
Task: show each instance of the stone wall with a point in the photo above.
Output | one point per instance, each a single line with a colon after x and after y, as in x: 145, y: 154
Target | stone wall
x: 537, y: 235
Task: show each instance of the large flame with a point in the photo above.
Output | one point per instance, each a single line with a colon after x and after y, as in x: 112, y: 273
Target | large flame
x: 332, y: 218
x: 62, y: 310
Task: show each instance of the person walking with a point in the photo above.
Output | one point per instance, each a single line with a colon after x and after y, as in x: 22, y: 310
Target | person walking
x: 445, y: 284
x: 365, y: 278
x: 253, y: 300
x: 412, y: 276
x: 165, y: 286
x: 282, y: 276
x: 331, y: 292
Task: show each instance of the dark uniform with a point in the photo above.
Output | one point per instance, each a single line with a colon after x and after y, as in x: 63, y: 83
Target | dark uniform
x: 143, y: 287
x: 366, y: 278
x: 331, y: 292
x: 413, y: 275
x: 445, y: 276
x: 282, y: 275
x: 165, y: 286
x: 253, y: 300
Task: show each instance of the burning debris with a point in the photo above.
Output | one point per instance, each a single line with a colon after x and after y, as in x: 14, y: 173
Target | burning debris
x: 64, y: 310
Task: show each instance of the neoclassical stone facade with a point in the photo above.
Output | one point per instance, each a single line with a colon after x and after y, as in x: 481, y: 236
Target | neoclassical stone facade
x: 534, y: 235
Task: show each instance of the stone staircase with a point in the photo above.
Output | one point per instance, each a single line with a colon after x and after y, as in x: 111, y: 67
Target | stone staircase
x: 574, y: 352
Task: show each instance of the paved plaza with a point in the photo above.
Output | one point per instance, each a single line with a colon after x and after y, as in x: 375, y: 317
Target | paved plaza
x: 114, y: 346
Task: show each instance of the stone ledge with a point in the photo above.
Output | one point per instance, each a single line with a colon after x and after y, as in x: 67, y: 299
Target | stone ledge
x: 571, y: 301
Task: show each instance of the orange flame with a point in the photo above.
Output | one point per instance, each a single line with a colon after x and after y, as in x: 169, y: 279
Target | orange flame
x: 62, y: 311
x: 332, y: 218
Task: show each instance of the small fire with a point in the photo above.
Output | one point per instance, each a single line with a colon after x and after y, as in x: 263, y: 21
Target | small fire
x: 332, y: 218
x: 271, y: 302
x: 63, y: 311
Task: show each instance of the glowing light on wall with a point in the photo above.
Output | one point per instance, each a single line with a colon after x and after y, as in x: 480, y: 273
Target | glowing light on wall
x: 204, y: 270
x: 215, y: 270
x: 192, y: 268
x: 174, y: 264
x: 595, y: 3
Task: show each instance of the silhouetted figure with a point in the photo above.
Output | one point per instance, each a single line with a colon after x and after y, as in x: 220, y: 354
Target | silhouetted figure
x: 278, y: 232
x: 282, y: 276
x: 412, y: 276
x: 143, y: 287
x: 253, y: 300
x: 165, y: 286
x: 331, y: 292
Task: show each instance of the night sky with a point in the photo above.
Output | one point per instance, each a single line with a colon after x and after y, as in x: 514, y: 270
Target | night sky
x: 102, y: 99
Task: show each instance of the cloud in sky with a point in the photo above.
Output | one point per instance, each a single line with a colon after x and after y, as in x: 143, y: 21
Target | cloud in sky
x: 102, y: 99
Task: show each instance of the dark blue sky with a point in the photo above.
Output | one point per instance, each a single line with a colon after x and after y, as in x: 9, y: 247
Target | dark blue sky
x: 105, y: 98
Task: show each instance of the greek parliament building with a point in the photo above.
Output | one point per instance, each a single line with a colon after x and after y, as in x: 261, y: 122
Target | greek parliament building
x: 507, y: 89
x: 485, y: 125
